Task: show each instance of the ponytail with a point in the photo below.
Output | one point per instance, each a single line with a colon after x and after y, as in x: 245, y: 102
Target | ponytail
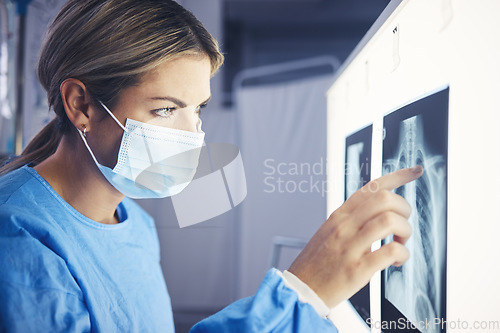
x: 40, y: 147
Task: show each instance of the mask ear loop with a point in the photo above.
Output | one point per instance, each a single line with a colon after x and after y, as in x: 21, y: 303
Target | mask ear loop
x: 113, y: 116
x: 198, y: 126
x: 83, y: 135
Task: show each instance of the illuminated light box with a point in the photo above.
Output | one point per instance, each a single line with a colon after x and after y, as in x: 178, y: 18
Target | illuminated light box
x: 425, y: 79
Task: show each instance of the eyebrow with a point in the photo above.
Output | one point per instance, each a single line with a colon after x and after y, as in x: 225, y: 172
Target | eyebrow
x: 179, y: 103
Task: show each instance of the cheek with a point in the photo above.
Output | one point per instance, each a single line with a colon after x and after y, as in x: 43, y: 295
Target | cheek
x: 114, y: 150
x: 186, y: 122
x: 105, y: 142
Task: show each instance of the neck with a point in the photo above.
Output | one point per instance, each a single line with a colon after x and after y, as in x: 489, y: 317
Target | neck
x: 72, y: 173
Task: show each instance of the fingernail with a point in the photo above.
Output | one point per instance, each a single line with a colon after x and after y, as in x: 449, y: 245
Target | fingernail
x: 417, y: 169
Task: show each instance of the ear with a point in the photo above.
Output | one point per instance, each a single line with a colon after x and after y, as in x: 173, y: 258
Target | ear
x: 76, y: 100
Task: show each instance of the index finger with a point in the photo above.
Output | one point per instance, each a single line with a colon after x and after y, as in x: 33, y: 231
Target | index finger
x: 395, y: 179
x: 387, y: 182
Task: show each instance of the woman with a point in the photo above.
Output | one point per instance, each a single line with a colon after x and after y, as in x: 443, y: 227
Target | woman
x: 126, y: 80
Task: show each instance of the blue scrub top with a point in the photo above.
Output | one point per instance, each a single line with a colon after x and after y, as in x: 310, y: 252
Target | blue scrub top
x: 62, y: 272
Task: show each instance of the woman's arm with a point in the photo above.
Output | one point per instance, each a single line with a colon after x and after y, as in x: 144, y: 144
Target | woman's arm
x: 336, y: 263
x: 338, y: 260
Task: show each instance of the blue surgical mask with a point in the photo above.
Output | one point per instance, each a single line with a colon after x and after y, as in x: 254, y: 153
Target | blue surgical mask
x: 153, y: 161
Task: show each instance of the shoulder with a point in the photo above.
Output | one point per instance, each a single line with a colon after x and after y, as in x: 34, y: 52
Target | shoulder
x: 27, y: 262
x: 23, y: 199
x: 37, y: 289
x: 18, y: 199
x: 20, y: 211
x: 16, y: 182
x: 25, y: 229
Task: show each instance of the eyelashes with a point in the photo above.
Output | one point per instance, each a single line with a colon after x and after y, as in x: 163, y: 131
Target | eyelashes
x: 198, y: 109
x: 167, y: 112
x: 164, y: 112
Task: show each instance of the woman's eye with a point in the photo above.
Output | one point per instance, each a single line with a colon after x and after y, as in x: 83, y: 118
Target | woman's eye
x: 164, y: 112
x: 198, y: 109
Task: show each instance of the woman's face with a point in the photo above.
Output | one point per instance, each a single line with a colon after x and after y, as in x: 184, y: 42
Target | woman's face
x: 170, y: 95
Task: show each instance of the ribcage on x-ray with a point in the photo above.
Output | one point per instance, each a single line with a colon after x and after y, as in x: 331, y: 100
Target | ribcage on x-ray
x: 416, y: 287
x: 426, y: 303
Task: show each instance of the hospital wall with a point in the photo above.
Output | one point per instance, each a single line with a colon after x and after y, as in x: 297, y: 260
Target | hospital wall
x: 419, y: 47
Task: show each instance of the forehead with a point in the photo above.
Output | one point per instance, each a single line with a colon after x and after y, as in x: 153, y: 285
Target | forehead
x: 186, y: 78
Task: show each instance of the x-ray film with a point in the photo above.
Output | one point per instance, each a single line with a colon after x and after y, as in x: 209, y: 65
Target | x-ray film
x: 414, y: 295
x: 357, y: 173
x: 358, y: 153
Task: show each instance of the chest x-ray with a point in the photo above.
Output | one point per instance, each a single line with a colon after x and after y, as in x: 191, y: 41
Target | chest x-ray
x: 417, y: 134
x: 358, y: 173
x: 358, y: 160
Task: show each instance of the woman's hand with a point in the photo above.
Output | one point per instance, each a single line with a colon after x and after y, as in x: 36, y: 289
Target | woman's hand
x: 338, y: 261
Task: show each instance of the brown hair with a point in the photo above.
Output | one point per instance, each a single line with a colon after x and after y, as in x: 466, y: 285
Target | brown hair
x: 109, y: 45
